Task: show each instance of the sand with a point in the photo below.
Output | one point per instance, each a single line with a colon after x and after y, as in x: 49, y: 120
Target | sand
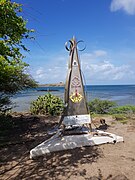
x: 104, y: 162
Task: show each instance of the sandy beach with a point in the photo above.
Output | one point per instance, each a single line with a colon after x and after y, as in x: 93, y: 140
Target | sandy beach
x: 104, y: 162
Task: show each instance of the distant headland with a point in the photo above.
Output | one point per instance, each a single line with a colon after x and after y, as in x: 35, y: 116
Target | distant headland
x: 60, y: 84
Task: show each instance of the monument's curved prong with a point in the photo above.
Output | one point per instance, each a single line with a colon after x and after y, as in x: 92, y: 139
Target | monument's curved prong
x: 81, y: 41
x: 70, y: 46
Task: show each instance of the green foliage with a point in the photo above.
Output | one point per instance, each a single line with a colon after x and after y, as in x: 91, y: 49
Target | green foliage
x: 119, y: 113
x: 13, y: 76
x: 100, y: 106
x: 123, y: 109
x: 12, y: 28
x: 47, y: 105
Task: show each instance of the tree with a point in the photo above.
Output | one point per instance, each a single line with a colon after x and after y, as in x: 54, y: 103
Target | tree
x: 13, y: 76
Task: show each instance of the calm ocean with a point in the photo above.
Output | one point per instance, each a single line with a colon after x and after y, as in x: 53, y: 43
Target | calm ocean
x: 122, y: 94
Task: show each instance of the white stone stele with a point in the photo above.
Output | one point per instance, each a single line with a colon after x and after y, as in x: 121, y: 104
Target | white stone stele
x: 58, y: 142
x: 77, y: 120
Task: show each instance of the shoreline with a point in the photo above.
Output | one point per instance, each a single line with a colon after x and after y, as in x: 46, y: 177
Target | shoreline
x: 122, y: 95
x: 52, y: 85
x: 63, y: 84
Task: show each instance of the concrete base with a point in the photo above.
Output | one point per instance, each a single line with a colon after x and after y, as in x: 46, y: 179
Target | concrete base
x: 58, y: 142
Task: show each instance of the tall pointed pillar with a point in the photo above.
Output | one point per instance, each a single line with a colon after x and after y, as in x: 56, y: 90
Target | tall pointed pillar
x: 76, y: 112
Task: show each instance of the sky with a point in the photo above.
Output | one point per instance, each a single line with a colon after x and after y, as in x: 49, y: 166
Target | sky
x: 107, y: 28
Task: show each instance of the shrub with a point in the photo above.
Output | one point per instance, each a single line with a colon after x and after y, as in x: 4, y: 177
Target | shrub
x: 100, y: 106
x: 123, y: 109
x: 47, y: 105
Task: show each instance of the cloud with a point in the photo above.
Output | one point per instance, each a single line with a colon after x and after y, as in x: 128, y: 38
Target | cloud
x: 94, y: 55
x: 107, y: 72
x: 97, y: 73
x: 97, y: 67
x: 126, y: 5
x: 50, y: 75
x: 56, y: 68
x: 99, y: 53
x: 39, y: 73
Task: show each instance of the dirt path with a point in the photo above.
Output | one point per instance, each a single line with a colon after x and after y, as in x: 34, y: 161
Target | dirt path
x: 105, y: 162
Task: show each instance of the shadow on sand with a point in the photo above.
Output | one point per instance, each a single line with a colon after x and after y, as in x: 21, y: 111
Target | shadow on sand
x: 27, y: 132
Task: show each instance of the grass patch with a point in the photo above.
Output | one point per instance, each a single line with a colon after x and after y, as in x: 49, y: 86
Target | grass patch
x: 124, y: 121
x: 122, y: 118
x: 94, y: 115
x: 103, y: 108
x: 123, y: 110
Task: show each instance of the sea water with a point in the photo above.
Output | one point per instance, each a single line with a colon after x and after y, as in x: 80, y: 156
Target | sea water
x: 121, y: 94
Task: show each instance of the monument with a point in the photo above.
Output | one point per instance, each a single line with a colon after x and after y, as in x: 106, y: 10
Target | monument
x: 74, y: 128
x: 76, y: 110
